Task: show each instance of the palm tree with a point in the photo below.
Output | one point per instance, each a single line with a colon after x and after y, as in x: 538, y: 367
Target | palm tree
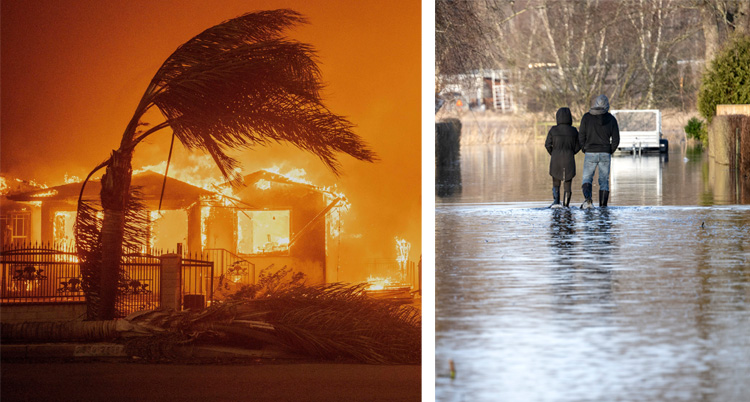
x: 237, y: 85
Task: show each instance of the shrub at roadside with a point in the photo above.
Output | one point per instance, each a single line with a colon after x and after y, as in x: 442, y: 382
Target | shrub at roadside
x: 696, y: 129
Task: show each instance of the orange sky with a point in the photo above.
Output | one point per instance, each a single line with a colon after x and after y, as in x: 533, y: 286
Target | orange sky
x: 73, y: 72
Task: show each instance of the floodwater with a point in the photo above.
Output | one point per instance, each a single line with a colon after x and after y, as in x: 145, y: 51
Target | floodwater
x: 646, y: 300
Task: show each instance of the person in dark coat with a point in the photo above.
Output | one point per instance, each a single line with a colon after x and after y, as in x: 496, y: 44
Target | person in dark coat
x: 599, y: 136
x: 562, y: 144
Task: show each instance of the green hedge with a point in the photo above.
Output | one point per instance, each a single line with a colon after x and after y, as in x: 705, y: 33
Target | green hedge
x: 727, y: 80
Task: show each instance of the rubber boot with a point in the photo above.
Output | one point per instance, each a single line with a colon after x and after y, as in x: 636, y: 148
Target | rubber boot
x: 566, y: 199
x: 556, y: 197
x: 603, y: 197
x: 588, y: 203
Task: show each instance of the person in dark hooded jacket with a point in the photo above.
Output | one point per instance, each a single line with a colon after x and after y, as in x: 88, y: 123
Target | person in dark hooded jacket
x: 599, y: 135
x: 562, y: 144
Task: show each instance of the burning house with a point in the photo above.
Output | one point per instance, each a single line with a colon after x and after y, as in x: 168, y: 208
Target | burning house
x: 274, y: 221
x: 52, y: 211
x: 271, y: 222
x: 16, y: 217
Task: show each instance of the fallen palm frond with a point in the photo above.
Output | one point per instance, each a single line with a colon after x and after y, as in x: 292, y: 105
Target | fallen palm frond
x: 329, y: 322
x: 339, y: 321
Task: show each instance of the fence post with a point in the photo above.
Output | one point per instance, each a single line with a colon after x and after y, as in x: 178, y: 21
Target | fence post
x: 170, y: 283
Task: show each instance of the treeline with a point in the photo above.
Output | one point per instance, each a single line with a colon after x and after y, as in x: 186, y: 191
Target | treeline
x: 641, y: 53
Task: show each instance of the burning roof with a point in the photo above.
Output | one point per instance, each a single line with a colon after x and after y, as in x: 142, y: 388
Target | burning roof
x: 12, y: 185
x: 176, y: 192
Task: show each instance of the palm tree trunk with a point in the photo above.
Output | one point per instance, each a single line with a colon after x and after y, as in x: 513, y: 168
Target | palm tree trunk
x: 115, y: 195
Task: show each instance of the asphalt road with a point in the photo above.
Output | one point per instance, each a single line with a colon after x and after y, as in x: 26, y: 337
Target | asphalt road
x: 112, y: 382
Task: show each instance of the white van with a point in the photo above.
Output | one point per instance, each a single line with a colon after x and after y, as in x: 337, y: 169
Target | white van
x: 640, y: 130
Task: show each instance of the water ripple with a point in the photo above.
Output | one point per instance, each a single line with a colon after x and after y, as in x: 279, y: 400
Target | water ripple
x: 624, y: 303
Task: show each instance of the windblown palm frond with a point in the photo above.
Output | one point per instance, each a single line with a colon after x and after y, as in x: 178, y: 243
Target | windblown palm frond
x: 240, y: 84
x: 236, y: 85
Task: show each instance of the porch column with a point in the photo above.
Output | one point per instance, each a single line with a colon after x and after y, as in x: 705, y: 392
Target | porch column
x: 170, y: 282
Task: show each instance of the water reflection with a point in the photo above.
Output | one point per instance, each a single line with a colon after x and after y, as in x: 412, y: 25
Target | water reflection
x: 623, y: 303
x: 510, y: 173
x: 647, y: 300
x: 582, y: 265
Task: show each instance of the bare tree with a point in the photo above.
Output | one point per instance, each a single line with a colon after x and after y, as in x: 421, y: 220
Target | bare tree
x: 460, y: 41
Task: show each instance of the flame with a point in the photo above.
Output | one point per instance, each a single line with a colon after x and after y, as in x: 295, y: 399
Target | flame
x: 72, y: 179
x: 295, y: 175
x: 154, y: 217
x: 49, y: 193
x: 379, y: 283
x: 263, y: 184
x: 15, y: 185
x: 402, y: 249
x: 205, y: 213
x: 62, y: 230
x: 202, y: 173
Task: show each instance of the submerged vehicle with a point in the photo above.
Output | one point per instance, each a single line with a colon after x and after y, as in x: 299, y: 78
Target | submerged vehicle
x: 640, y: 131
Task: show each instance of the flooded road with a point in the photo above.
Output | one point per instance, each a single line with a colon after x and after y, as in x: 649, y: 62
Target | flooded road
x: 647, y: 300
x: 512, y: 173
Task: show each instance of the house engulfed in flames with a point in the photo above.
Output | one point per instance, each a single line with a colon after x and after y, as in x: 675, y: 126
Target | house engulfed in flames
x: 273, y: 221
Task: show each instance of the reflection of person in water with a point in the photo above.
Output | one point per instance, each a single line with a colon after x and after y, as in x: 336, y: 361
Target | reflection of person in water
x: 597, y: 237
x: 562, y: 233
x: 562, y: 144
x: 582, y: 258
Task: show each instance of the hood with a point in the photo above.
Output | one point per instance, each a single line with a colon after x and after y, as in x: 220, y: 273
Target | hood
x: 600, y: 105
x: 563, y: 116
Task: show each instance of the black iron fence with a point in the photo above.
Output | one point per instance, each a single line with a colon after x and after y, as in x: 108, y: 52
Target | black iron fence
x: 39, y: 275
x: 231, y: 265
x: 197, y: 283
x: 47, y: 274
x: 139, y: 287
